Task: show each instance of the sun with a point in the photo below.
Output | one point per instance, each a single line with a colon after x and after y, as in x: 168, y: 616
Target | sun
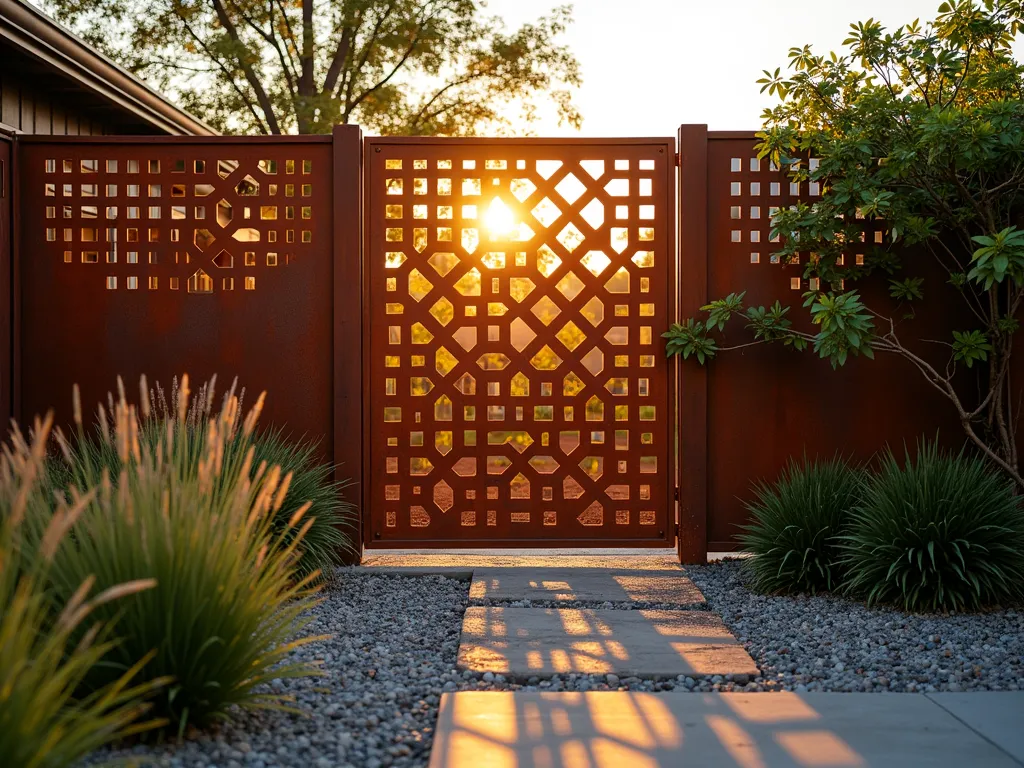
x: 499, y: 220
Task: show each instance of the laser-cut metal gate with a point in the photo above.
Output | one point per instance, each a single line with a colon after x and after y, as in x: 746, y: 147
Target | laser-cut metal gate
x: 518, y: 394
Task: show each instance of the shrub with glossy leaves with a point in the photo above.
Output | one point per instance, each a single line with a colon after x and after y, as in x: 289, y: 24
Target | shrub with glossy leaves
x: 795, y: 523
x: 47, y: 647
x: 199, y: 519
x: 940, y: 532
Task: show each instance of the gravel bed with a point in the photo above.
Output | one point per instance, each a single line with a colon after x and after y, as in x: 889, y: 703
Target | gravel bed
x: 831, y: 644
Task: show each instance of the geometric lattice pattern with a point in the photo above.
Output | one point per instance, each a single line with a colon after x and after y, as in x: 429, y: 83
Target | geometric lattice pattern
x: 518, y: 292
x: 195, y: 224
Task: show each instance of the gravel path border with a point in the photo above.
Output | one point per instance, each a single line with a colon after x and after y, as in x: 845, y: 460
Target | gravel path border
x: 826, y: 643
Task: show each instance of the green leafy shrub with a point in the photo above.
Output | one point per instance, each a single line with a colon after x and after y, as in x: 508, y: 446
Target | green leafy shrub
x: 199, y: 519
x: 330, y: 515
x: 47, y: 649
x: 941, y: 532
x: 796, y: 521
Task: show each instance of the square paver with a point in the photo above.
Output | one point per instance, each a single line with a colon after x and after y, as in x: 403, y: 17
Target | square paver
x: 544, y: 641
x: 613, y: 729
x: 596, y: 585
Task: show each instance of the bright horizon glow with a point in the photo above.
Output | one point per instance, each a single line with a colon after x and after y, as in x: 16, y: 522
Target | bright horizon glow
x: 651, y: 65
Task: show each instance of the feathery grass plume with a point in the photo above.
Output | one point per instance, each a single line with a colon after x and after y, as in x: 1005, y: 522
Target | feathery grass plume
x: 795, y: 524
x: 47, y: 647
x: 189, y: 507
x: 941, y: 532
x: 161, y: 415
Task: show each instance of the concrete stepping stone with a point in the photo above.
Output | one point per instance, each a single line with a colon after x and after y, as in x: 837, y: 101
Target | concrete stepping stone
x: 597, y: 585
x: 523, y: 642
x: 996, y: 715
x: 611, y: 729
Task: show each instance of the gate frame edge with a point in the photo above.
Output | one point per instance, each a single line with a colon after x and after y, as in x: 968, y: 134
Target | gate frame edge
x: 347, y: 262
x: 692, y: 283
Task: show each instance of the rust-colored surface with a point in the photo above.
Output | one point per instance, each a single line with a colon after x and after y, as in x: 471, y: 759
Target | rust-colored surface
x: 766, y: 404
x: 166, y: 255
x: 518, y: 392
x: 6, y: 244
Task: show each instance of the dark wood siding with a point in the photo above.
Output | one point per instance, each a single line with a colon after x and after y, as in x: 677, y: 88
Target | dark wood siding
x: 33, y: 105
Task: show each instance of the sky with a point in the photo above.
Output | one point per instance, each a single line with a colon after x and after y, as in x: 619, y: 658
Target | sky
x: 693, y: 61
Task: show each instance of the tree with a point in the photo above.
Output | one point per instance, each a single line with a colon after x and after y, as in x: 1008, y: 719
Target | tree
x: 919, y: 132
x: 415, y: 67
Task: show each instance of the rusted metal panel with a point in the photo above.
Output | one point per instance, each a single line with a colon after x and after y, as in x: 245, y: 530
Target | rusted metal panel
x: 164, y: 255
x: 6, y: 246
x: 767, y: 404
x: 518, y: 391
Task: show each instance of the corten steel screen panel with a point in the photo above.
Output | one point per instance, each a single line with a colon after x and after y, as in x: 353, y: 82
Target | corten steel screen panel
x: 171, y: 255
x: 518, y: 391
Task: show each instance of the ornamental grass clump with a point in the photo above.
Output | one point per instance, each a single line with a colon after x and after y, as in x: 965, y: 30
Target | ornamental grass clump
x: 940, y: 532
x: 48, y: 647
x: 330, y: 515
x: 228, y: 609
x: 796, y: 521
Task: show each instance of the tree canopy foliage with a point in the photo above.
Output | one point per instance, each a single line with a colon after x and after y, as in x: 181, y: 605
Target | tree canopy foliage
x: 414, y: 67
x: 918, y: 132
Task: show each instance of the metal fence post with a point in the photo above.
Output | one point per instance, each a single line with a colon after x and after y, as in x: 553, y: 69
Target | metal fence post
x: 693, y: 394
x: 347, y: 348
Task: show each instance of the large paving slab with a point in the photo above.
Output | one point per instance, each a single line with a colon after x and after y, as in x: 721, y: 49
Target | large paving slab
x: 620, y: 729
x: 614, y: 585
x: 996, y: 715
x: 524, y: 642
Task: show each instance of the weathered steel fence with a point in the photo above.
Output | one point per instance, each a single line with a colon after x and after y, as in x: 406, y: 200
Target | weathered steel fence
x: 471, y: 328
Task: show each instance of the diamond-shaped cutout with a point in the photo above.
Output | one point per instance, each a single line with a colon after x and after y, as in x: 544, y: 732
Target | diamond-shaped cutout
x: 593, y: 311
x: 570, y: 237
x: 247, y: 187
x: 571, y: 489
x: 246, y: 235
x: 593, y: 466
x: 226, y: 167
x: 593, y: 361
x: 571, y: 335
x: 593, y: 214
x: 444, y: 497
x: 469, y: 283
x: 443, y: 442
x: 498, y: 464
x: 572, y: 384
x: 493, y: 361
x: 620, y: 239
x: 569, y: 441
x: 545, y: 465
x: 203, y: 239
x: 643, y: 259
x: 518, y: 439
x: 470, y: 239
x: 200, y: 282
x: 570, y: 286
x: 443, y: 311
x: 224, y: 213
x: 546, y: 359
x: 520, y: 287
x: 420, y: 385
x: 595, y: 409
x: 520, y: 334
x: 570, y: 188
x: 546, y: 212
x: 466, y: 384
x: 466, y: 336
x: 522, y: 189
x: 393, y: 259
x: 595, y: 168
x: 519, y: 488
x: 419, y: 334
x: 523, y: 233
x: 619, y: 282
x: 547, y: 168
x: 618, y: 385
x: 444, y: 361
x: 596, y: 262
x: 224, y: 260
x: 546, y: 310
x: 519, y: 386
x: 592, y: 516
x: 443, y: 263
x: 547, y: 261
x: 419, y: 286
x: 420, y: 466
x: 465, y: 467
